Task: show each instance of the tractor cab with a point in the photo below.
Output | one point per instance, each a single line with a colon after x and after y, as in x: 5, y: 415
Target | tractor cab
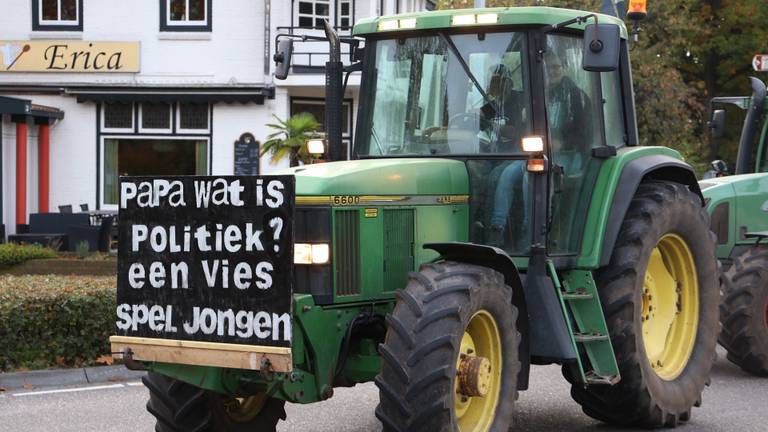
x: 752, y: 154
x: 531, y: 110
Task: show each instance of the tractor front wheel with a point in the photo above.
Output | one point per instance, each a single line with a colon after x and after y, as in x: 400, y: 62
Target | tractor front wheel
x: 660, y: 296
x: 450, y: 357
x: 744, y: 311
x: 180, y: 407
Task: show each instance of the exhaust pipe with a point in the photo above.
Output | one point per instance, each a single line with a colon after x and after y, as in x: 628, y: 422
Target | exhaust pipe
x: 334, y: 70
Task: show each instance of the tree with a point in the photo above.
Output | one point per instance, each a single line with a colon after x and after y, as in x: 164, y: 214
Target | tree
x: 291, y: 138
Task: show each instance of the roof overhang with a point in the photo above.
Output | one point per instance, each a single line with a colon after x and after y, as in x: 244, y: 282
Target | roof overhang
x: 25, y: 108
x: 242, y: 95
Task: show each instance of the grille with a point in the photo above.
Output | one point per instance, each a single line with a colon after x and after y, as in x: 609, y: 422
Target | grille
x: 347, y: 250
x: 155, y: 115
x: 118, y: 116
x: 193, y: 116
x: 398, y: 247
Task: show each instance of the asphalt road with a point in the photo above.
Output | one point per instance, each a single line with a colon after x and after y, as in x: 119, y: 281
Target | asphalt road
x: 734, y: 402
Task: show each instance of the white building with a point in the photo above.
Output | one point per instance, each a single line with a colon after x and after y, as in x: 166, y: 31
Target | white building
x: 92, y: 89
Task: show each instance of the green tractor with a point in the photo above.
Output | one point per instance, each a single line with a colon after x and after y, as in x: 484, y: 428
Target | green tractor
x: 738, y: 205
x: 497, y: 213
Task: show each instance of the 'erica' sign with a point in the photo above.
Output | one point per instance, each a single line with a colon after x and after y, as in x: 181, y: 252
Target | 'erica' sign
x: 206, y: 259
x: 68, y: 56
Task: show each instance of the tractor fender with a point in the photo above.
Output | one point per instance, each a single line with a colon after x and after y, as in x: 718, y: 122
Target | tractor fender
x: 498, y: 260
x: 636, y: 171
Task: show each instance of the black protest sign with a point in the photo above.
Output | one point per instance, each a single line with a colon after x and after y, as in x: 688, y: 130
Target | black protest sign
x: 206, y: 258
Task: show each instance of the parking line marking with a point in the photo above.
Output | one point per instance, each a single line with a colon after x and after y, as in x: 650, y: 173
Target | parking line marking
x: 69, y: 390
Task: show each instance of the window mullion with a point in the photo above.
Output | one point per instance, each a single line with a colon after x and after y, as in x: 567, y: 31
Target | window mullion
x: 58, y: 10
x: 187, y: 17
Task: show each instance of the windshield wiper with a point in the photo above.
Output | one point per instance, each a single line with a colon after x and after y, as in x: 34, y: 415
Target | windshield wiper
x: 376, y: 139
x: 455, y: 51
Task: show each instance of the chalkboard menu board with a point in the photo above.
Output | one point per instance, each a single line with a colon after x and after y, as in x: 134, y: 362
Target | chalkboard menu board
x: 246, y: 156
x: 206, y: 259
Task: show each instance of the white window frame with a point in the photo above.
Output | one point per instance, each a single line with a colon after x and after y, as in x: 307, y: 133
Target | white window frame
x: 313, y: 15
x: 187, y: 21
x: 105, y: 129
x: 105, y: 206
x: 58, y: 22
x: 142, y: 129
x: 349, y: 16
x: 179, y: 129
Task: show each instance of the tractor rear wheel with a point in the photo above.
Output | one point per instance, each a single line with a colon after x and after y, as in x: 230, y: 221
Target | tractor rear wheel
x: 450, y: 357
x: 180, y: 407
x: 660, y: 296
x: 744, y: 311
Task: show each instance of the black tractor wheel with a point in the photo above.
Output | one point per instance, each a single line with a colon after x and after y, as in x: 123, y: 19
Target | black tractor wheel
x: 660, y: 297
x: 450, y: 357
x: 744, y: 311
x: 182, y: 407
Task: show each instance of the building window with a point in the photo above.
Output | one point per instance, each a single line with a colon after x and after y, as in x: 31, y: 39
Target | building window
x: 345, y: 14
x: 139, y: 156
x: 155, y: 117
x: 117, y: 117
x: 312, y: 13
x: 193, y: 117
x: 57, y: 15
x: 151, y: 138
x: 185, y: 15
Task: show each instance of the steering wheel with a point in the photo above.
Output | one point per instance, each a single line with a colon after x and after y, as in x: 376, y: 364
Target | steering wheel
x: 464, y: 120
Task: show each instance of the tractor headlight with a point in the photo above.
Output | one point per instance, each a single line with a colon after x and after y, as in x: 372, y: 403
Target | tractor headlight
x: 533, y: 144
x: 307, y: 253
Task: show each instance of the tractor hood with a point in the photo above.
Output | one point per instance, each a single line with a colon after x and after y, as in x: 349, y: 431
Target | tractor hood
x: 425, y: 176
x: 727, y: 184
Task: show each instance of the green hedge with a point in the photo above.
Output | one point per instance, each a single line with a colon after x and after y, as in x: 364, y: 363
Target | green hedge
x: 55, y: 320
x: 12, y: 254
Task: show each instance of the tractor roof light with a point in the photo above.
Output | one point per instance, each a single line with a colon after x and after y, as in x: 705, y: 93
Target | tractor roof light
x: 487, y: 18
x: 398, y: 24
x: 408, y: 23
x: 472, y: 19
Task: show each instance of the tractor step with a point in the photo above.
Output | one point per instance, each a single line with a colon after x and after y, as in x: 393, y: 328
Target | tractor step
x: 579, y: 294
x: 589, y: 337
x: 586, y: 323
x: 593, y: 379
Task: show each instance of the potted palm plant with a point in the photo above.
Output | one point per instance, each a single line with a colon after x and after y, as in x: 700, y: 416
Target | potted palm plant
x: 290, y: 138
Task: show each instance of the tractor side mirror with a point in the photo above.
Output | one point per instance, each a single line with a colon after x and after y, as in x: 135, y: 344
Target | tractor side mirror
x: 282, y: 58
x: 601, y: 47
x: 719, y: 167
x: 717, y: 124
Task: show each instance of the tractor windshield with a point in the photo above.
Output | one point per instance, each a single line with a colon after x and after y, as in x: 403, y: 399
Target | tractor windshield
x: 441, y: 94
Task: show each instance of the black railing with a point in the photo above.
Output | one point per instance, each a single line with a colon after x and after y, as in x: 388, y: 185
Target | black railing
x: 306, y: 59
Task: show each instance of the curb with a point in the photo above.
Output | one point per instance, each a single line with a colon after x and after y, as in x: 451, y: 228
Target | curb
x: 65, y: 377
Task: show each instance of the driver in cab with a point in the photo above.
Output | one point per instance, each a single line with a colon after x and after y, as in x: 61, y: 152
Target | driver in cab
x: 502, y: 115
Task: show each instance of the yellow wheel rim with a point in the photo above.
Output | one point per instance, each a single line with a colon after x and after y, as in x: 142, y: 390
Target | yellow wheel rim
x: 480, y: 345
x: 670, y: 310
x: 241, y: 410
